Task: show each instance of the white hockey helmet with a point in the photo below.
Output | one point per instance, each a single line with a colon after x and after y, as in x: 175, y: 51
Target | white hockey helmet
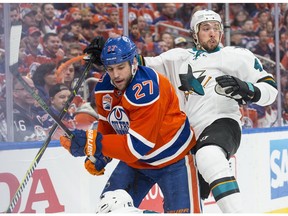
x: 113, y: 201
x: 202, y: 16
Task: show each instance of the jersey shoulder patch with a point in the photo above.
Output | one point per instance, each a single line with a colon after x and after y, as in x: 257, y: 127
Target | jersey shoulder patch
x: 144, y: 88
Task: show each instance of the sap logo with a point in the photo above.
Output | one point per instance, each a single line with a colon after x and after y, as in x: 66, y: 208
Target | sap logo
x: 279, y: 168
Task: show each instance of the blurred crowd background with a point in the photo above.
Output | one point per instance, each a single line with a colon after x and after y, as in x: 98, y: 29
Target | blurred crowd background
x: 54, y: 36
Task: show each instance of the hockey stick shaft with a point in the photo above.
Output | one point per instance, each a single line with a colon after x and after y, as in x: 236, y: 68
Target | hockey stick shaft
x: 40, y: 153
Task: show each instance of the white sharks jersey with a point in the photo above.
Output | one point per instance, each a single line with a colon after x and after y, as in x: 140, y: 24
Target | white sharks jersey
x: 204, y: 105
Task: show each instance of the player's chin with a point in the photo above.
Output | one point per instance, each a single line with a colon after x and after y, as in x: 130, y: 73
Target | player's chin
x: 120, y: 85
x: 211, y: 47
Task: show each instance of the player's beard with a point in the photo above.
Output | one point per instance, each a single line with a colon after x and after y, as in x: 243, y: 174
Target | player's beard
x: 123, y: 85
x: 210, y: 45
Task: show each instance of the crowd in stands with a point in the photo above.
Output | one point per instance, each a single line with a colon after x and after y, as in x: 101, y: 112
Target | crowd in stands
x: 54, y: 36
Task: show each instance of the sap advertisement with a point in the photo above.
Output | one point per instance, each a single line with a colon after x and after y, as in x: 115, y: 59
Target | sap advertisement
x: 60, y: 183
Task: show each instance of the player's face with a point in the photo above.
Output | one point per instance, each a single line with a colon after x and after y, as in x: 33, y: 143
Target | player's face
x: 209, y: 35
x: 120, y: 75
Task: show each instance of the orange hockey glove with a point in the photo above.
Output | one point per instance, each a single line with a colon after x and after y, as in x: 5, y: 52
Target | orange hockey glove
x: 97, y: 168
x: 65, y: 142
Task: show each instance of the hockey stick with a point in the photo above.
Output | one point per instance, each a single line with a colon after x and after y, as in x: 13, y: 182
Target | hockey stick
x: 14, y: 43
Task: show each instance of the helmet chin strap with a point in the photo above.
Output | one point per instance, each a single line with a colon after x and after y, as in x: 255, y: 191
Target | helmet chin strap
x: 134, y: 69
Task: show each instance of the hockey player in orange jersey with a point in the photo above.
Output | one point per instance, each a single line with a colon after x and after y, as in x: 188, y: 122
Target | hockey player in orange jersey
x: 140, y: 123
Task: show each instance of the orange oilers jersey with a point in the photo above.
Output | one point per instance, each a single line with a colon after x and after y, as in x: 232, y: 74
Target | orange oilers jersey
x: 143, y: 126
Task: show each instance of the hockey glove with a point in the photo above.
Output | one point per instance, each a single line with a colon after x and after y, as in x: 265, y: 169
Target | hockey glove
x: 97, y: 167
x: 83, y: 143
x: 94, y: 50
x: 233, y: 87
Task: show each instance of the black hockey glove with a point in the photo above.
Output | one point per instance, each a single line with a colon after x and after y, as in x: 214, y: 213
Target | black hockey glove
x: 233, y: 87
x: 94, y: 50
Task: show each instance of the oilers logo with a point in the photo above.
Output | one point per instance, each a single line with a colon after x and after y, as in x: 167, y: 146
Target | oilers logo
x: 107, y: 102
x: 119, y: 120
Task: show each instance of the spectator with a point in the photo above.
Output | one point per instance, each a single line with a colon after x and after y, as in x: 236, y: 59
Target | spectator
x: 44, y: 78
x: 283, y: 45
x: 263, y: 48
x: 160, y: 47
x: 239, y: 20
x: 168, y: 16
x: 284, y: 80
x: 38, y: 16
x: 259, y: 7
x: 237, y: 38
x: 50, y: 23
x: 180, y: 42
x: 234, y: 9
x: 27, y: 127
x: 250, y: 39
x: 51, y: 44
x: 284, y: 26
x: 168, y: 39
x: 184, y: 14
x: 113, y: 27
x: 62, y: 30
x: 67, y: 75
x: 15, y: 14
x: 269, y: 119
x: 136, y: 37
x: 98, y: 8
x: 284, y: 60
x: 59, y: 94
x: 101, y: 29
x: 249, y: 117
x: 67, y: 39
x: 73, y: 50
x: 142, y: 26
x: 262, y: 19
x: 149, y: 12
x: 75, y: 27
x: 73, y: 14
x: 270, y: 32
x: 86, y: 14
x: 28, y: 20
x: 33, y: 45
x: 31, y: 51
x: 88, y: 29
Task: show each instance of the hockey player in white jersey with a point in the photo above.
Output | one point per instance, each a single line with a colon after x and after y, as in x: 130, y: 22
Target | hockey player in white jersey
x: 211, y: 83
x: 118, y: 202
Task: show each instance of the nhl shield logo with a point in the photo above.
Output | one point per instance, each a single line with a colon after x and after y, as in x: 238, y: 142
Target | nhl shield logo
x: 107, y: 102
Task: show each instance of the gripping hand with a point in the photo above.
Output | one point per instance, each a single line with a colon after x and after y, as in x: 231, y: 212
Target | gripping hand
x: 97, y: 167
x: 94, y: 50
x: 75, y: 145
x: 237, y: 89
x: 83, y: 143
